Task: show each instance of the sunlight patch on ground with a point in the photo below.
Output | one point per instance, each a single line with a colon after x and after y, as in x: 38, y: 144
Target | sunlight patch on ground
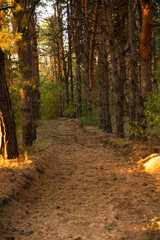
x: 154, y: 225
x: 150, y: 164
x: 15, y: 163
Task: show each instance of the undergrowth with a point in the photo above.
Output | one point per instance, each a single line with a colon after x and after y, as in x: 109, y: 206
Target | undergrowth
x: 91, y: 119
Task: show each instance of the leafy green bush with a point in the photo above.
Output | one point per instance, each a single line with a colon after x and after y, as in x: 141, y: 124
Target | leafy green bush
x: 135, y: 130
x: 151, y: 118
x: 152, y: 113
x: 70, y: 112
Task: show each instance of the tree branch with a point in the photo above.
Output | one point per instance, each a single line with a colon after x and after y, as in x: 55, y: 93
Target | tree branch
x: 6, y: 8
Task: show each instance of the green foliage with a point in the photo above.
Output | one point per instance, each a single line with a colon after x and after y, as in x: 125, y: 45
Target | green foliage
x: 70, y: 112
x: 122, y: 141
x: 50, y: 100
x: 91, y: 119
x: 136, y: 130
x: 151, y: 118
x: 152, y: 113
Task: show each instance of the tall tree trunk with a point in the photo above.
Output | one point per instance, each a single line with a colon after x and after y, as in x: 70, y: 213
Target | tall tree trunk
x: 87, y: 90
x: 133, y: 62
x: 35, y: 68
x: 65, y: 75
x: 92, y: 45
x: 70, y: 71
x: 116, y: 77
x: 76, y: 44
x: 122, y: 67
x: 145, y: 54
x: 57, y: 54
x: 104, y: 108
x: 55, y: 64
x: 21, y: 24
x: 139, y: 29
x: 28, y: 97
x: 60, y: 82
x: 8, y: 139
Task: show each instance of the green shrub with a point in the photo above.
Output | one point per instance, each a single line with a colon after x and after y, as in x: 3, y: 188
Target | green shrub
x: 152, y: 113
x: 151, y: 118
x: 50, y: 105
x: 70, y: 112
x: 135, y: 130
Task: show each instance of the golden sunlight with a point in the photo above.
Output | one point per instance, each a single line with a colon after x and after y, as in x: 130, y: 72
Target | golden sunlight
x: 152, y: 163
x: 154, y: 225
x: 14, y: 163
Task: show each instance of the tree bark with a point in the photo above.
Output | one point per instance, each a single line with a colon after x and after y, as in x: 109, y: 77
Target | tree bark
x: 70, y: 71
x: 76, y: 44
x: 59, y: 64
x: 21, y: 24
x: 37, y: 106
x: 92, y: 46
x: 116, y: 77
x: 145, y: 54
x: 65, y: 75
x: 133, y: 62
x: 8, y: 139
x: 28, y: 96
x: 104, y: 107
x: 122, y: 68
x: 87, y: 90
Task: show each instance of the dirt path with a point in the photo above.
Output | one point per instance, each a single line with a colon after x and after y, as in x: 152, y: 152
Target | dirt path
x: 88, y: 192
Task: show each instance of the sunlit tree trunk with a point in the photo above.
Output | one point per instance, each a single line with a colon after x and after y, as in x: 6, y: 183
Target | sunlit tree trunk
x: 21, y: 24
x: 28, y: 96
x: 145, y: 53
x: 8, y: 139
x: 155, y: 61
x: 133, y: 61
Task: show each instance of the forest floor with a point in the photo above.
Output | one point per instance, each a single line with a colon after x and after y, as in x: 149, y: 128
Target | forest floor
x: 81, y: 184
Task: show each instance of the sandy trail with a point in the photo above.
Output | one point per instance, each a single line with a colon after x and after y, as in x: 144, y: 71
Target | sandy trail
x: 86, y: 193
